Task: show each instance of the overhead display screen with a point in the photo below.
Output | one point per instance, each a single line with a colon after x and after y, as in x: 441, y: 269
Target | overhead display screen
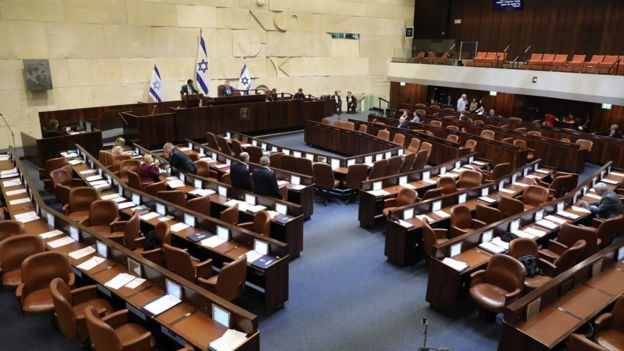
x: 507, y: 5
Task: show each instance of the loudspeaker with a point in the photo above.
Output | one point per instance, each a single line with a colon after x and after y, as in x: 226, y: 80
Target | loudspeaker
x: 37, y: 75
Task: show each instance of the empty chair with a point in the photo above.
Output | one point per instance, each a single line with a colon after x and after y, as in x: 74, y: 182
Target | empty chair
x: 499, y: 170
x: 163, y: 236
x: 408, y: 163
x: 421, y: 160
x: 324, y: 179
x: 565, y: 140
x: 62, y: 183
x: 568, y: 235
x: 577, y: 63
x: 399, y: 139
x: 50, y: 165
x: 326, y: 121
x: 610, y: 327
x: 383, y: 134
x: 521, y: 130
x: 176, y: 197
x: 179, y: 262
x: 203, y: 169
x: 225, y: 146
x: 80, y: 199
x: 578, y: 342
x: 13, y: 251
x: 379, y: 169
x: 211, y: 141
x: 356, y: 174
x: 363, y: 128
x: 289, y: 163
x: 515, y: 119
x: 559, y: 61
x: 487, y: 134
x: 452, y: 138
x: 113, y: 332
x: 499, y: 284
x: 134, y: 181
x: 584, y: 144
x: 236, y: 147
x: 471, y: 144
x: 260, y: 225
x: 199, y: 204
x: 129, y: 233
x: 69, y: 307
x: 607, y: 229
x: 405, y: 196
x: 105, y: 158
x: 447, y: 184
x: 117, y: 160
x: 432, y: 237
x: 435, y: 123
x: 432, y: 193
x: 469, y: 178
x: 229, y: 284
x: 304, y: 166
x: 533, y: 196
x: 452, y: 127
x: 275, y: 160
x: 535, y: 133
x: 426, y: 146
x: 348, y: 125
x: 9, y: 228
x: 102, y: 215
x: 462, y: 221
x: 510, y: 206
x: 487, y: 214
x: 394, y: 165
x: 255, y: 153
x: 38, y: 270
x: 560, y: 185
x: 522, y: 144
x: 413, y: 146
x: 230, y: 215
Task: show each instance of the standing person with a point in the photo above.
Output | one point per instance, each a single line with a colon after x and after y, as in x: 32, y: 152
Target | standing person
x: 148, y: 171
x: 178, y: 159
x: 240, y: 174
x: 299, y: 95
x: 462, y: 102
x: 264, y: 180
x: 351, y: 103
x: 338, y: 101
x: 188, y: 89
x: 609, y: 205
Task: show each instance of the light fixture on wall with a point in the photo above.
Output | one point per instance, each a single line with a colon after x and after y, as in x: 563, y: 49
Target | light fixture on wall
x: 606, y: 106
x: 492, y: 93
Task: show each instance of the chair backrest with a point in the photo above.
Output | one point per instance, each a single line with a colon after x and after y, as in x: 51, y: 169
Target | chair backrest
x: 500, y: 170
x: 431, y: 193
x: 429, y: 239
x: 560, y: 185
x: 55, y: 163
x: 326, y: 121
x: 15, y: 249
x: 379, y: 169
x: 399, y: 139
x: 608, y: 229
x: 461, y: 217
x: 487, y: 214
x: 561, y: 58
x: 487, y: 134
x: 535, y: 57
x: 211, y: 140
x: 578, y: 342
x: 584, y: 144
x: 356, y: 174
x: 421, y: 160
x: 363, y: 128
x: 65, y: 315
x: 61, y: 176
x: 9, y: 228
x: 569, y: 257
x: 480, y: 55
x: 521, y: 129
x: 132, y: 231
x: 413, y: 146
x: 174, y: 196
x: 383, y: 134
x: 597, y: 58
x: 81, y: 197
x: 323, y: 176
x: 394, y: 165
x: 40, y: 268
x: 224, y: 146
x: 255, y: 153
x: 276, y: 159
x: 203, y: 169
x: 452, y: 138
x: 231, y: 281
x: 134, y: 181
x: 447, y: 184
x: 425, y: 145
x: 523, y: 247
x: 179, y: 262
x: 617, y: 313
x: 408, y: 163
x: 348, y: 125
x: 534, y: 195
x: 471, y: 144
x: 435, y: 123
x: 505, y: 272
x: 117, y: 160
x: 406, y: 196
x: 163, y: 233
x: 103, y: 212
x: 199, y: 204
x: 515, y: 119
x: 289, y: 163
x: 534, y: 133
x: 304, y: 166
x: 569, y: 234
x: 236, y: 147
x: 129, y: 165
x: 578, y: 58
x: 521, y: 143
x: 470, y: 178
x: 105, y: 158
x: 262, y: 223
x: 510, y: 206
x: 230, y: 215
x: 547, y: 58
x: 102, y: 335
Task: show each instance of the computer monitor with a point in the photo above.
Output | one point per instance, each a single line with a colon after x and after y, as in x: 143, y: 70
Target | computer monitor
x: 88, y: 126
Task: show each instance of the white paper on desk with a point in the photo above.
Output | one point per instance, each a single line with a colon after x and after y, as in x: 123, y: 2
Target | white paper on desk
x: 523, y: 234
x: 28, y: 219
x: 520, y: 184
x: 547, y: 224
x: 78, y: 254
x: 19, y: 201
x: 93, y: 178
x: 26, y: 215
x: 165, y: 218
x: 9, y: 175
x: 125, y: 205
x: 531, y: 176
x: 109, y: 196
x: 179, y: 227
x: 535, y: 232
x: 455, y: 264
x: 220, y: 166
x: 378, y: 192
x: 617, y: 174
x: 490, y: 247
x: 175, y: 184
x: 229, y: 341
x: 423, y: 218
x: 593, y: 196
x: 487, y: 199
x: 499, y: 242
x: 202, y: 192
x: 441, y: 214
x: 88, y: 171
x: 479, y: 163
x: 253, y: 255
x: 609, y: 181
x: 213, y: 241
x: 12, y: 182
x: 15, y: 192
x: 4, y: 157
x: 61, y: 242
x: 256, y: 209
x: 404, y: 224
x: 149, y: 215
x: 119, y: 281
x: 161, y: 305
x: 543, y: 171
x: 298, y: 187
x: 555, y: 219
x: 567, y: 215
x: 8, y: 171
x: 50, y: 234
x: 508, y: 191
x: 135, y: 283
x: 282, y: 183
x: 118, y: 199
x: 74, y: 162
x: 101, y: 186
x: 580, y: 209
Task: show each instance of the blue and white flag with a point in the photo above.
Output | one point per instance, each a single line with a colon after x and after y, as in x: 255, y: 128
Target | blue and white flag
x: 155, y: 86
x: 201, y: 67
x: 244, y: 82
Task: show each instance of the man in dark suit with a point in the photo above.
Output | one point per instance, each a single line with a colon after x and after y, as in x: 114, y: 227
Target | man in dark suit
x: 615, y: 131
x: 338, y: 101
x: 188, y: 89
x: 265, y: 182
x: 299, y: 95
x: 351, y: 103
x: 226, y: 90
x: 609, y: 205
x: 52, y: 129
x: 239, y: 173
x: 178, y: 159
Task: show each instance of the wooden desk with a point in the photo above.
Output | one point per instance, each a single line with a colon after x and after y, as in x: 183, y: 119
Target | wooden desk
x: 41, y: 150
x: 344, y: 141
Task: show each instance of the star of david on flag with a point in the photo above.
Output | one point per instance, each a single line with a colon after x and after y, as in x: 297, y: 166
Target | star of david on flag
x: 201, y: 67
x: 244, y: 82
x: 155, y: 85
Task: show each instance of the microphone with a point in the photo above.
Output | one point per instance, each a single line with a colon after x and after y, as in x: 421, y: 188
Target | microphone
x: 9, y: 128
x: 451, y: 48
x: 507, y: 48
x: 527, y: 49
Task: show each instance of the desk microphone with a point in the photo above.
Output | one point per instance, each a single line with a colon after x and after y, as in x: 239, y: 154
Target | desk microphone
x: 9, y: 128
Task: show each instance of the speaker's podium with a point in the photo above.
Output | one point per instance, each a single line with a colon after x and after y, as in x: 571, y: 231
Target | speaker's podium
x: 192, y: 100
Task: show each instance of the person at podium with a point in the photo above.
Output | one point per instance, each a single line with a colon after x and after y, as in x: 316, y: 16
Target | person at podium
x: 299, y: 95
x: 188, y: 89
x: 52, y: 129
x: 226, y: 89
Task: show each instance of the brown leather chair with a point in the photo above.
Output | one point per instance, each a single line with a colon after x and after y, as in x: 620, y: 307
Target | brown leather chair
x: 610, y: 327
x: 447, y: 184
x: 179, y: 262
x: 607, y: 229
x: 379, y: 169
x: 128, y: 233
x: 487, y: 214
x: 462, y: 221
x: 383, y: 134
x: 105, y: 158
x: 568, y: 235
x: 211, y: 141
x: 117, y: 160
x: 261, y: 224
x: 499, y: 284
x: 470, y: 144
x: 487, y: 134
x: 304, y: 166
x: 452, y: 138
x: 432, y: 237
x: 324, y: 179
x: 398, y: 139
x: 413, y: 146
x: 62, y: 183
x: 134, y: 181
x: 13, y: 251
x: 163, y: 235
x: 102, y: 216
x: 510, y: 206
x: 535, y: 133
x: 394, y: 165
x: 230, y: 215
x: 80, y: 199
x: 224, y: 146
x: 533, y: 196
x: 584, y: 144
x: 289, y: 163
x: 468, y: 179
x: 348, y: 125
x: 227, y: 179
x: 70, y: 304
x: 522, y: 144
x: 126, y: 166
x: 200, y: 204
x: 578, y: 342
x: 408, y: 163
x: 421, y: 160
x: 435, y: 123
x: 50, y: 165
x: 405, y: 196
x: 452, y: 127
x: 432, y: 193
x: 508, y: 140
x: 38, y: 270
x: 176, y: 197
x: 363, y: 128
x: 229, y: 284
x: 255, y: 153
x: 499, y: 170
x: 113, y: 332
x: 426, y: 146
x: 559, y: 185
x: 356, y: 174
x: 236, y: 146
x: 203, y: 169
x: 10, y: 228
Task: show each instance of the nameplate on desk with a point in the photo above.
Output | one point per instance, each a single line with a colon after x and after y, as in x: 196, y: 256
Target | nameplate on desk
x: 525, y: 172
x: 197, y: 183
x: 442, y: 170
x: 368, y: 159
x: 455, y: 249
x: 222, y: 190
x: 426, y: 175
x: 281, y: 208
x: 408, y: 213
x: 378, y: 157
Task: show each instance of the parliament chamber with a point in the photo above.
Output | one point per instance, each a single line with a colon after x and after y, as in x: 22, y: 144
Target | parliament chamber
x: 321, y: 175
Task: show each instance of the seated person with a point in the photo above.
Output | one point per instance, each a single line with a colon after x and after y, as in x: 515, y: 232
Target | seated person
x: 299, y: 95
x: 148, y: 171
x: 569, y: 119
x: 615, y: 131
x: 480, y: 110
x: 240, y: 173
x: 118, y: 147
x: 188, y: 89
x: 416, y: 118
x: 473, y: 105
x: 609, y: 205
x: 402, y: 123
x: 272, y: 95
x: 264, y: 180
x: 351, y: 103
x: 550, y: 119
x: 52, y: 129
x: 178, y: 159
x: 226, y: 89
x: 492, y: 113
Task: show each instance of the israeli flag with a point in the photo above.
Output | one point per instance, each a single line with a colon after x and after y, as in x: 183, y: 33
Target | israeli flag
x: 155, y: 86
x: 244, y: 82
x: 201, y: 66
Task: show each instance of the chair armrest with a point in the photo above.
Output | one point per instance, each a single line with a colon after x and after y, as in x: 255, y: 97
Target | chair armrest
x: 84, y: 294
x: 77, y: 182
x: 512, y: 296
x: 603, y: 321
x: 547, y: 267
x: 66, y: 209
x: 140, y: 343
x: 440, y: 233
x: 114, y: 221
x: 390, y: 202
x: 477, y: 277
x: 118, y: 226
x: 529, y: 149
x: 556, y: 247
x: 459, y: 230
x: 246, y: 225
x: 477, y: 224
x: 116, y: 319
x: 19, y: 292
x: 204, y: 269
x: 72, y: 279
x: 597, y: 222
